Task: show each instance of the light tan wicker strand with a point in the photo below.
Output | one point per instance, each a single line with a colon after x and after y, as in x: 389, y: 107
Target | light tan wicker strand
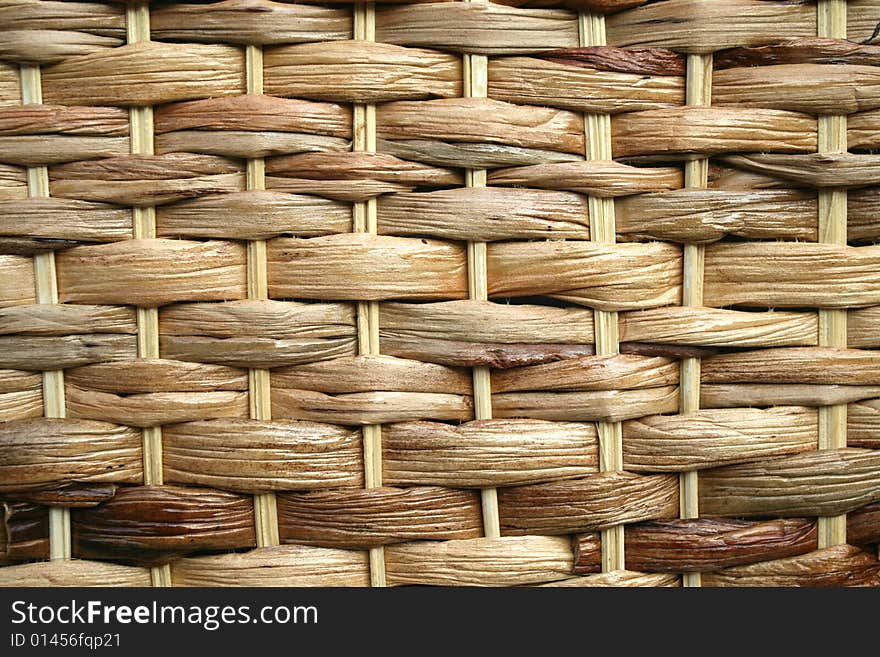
x: 832, y: 230
x: 47, y: 293
x: 696, y: 173
x: 144, y: 225
x: 597, y: 129
x: 365, y: 221
x: 260, y: 393
x: 476, y: 86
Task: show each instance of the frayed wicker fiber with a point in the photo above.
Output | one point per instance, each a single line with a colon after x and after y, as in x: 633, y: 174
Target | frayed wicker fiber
x: 549, y: 292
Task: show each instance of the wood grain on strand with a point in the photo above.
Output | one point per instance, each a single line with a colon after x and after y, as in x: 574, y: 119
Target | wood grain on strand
x: 486, y: 561
x: 699, y: 27
x: 251, y: 333
x: 620, y: 578
x: 285, y: 565
x: 559, y: 80
x: 27, y: 25
x: 702, y: 439
x: 42, y: 454
x: 78, y: 572
x: 710, y: 544
x: 251, y: 22
x: 151, y: 525
x: 361, y: 72
x: 825, y: 482
x: 146, y: 73
x: 488, y: 453
x: 478, y: 27
x: 834, y: 566
x: 372, y: 517
x: 712, y: 131
x: 792, y: 274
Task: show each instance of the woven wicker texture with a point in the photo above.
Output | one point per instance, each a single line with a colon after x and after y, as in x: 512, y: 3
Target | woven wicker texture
x: 551, y: 292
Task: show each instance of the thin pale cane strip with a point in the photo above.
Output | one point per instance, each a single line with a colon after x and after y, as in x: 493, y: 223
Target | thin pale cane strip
x: 141, y: 120
x: 832, y: 230
x: 47, y: 292
x: 365, y: 221
x: 597, y: 128
x: 476, y: 86
x: 260, y: 394
x: 696, y: 174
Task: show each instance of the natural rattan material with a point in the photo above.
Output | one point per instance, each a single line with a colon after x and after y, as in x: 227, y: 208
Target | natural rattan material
x: 575, y: 293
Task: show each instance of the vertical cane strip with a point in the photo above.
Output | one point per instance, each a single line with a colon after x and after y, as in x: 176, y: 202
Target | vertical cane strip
x: 260, y: 395
x: 476, y: 86
x: 832, y: 230
x: 597, y: 129
x: 47, y: 292
x: 696, y: 173
x: 141, y: 120
x: 365, y: 221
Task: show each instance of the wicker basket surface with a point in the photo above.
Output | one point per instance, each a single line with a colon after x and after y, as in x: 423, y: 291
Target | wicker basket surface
x: 550, y: 292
